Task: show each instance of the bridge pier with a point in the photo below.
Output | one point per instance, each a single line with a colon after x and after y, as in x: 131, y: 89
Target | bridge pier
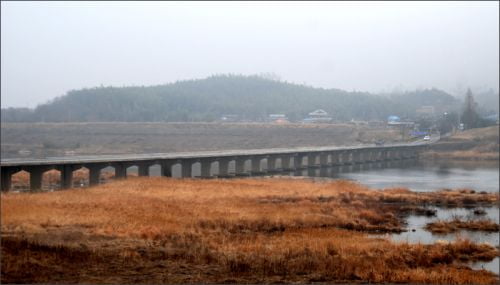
x: 239, y: 165
x: 166, y: 168
x: 410, y: 153
x: 353, y: 157
x: 205, y: 166
x: 255, y: 164
x: 335, y: 158
x: 271, y: 163
x: 384, y: 155
x: 360, y: 159
x: 395, y: 154
x: 311, y: 159
x: 285, y: 162
x: 414, y: 153
x: 143, y: 169
x: 120, y: 170
x: 223, y: 167
x: 66, y: 176
x: 36, y: 173
x: 346, y: 157
x: 94, y: 174
x: 311, y: 171
x: 368, y: 156
x: 298, y: 161
x: 6, y: 181
x: 323, y: 172
x: 6, y: 177
x: 400, y: 153
x: 323, y: 159
x: 186, y: 168
x: 372, y: 156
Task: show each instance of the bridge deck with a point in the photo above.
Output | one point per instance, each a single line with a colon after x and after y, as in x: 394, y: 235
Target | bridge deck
x: 190, y: 155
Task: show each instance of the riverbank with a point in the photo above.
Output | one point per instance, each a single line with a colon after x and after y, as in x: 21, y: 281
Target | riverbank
x: 160, y: 230
x: 38, y: 140
x: 473, y: 144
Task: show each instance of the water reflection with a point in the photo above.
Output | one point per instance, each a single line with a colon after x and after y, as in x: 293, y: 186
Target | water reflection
x: 417, y: 234
x: 420, y: 235
x: 428, y: 176
x: 422, y: 176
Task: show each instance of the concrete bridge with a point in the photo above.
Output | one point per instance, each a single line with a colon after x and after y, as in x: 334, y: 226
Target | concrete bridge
x: 243, y: 162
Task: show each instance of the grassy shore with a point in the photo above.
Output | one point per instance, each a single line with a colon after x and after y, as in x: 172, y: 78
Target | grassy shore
x: 473, y: 144
x: 456, y: 224
x: 160, y: 230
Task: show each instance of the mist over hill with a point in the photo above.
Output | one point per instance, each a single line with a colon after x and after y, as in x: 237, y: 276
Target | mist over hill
x: 249, y: 97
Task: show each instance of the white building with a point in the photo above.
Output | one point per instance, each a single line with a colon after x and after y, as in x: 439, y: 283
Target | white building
x: 318, y: 116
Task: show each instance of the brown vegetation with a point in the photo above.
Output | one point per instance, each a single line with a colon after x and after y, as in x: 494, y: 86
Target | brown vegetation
x: 444, y: 197
x: 473, y: 144
x: 457, y: 224
x: 160, y: 230
x: 55, y: 139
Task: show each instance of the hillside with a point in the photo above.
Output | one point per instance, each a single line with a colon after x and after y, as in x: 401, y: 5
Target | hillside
x: 250, y: 97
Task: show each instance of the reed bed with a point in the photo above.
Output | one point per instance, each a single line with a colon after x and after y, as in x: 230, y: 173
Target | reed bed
x: 456, y: 224
x: 161, y: 230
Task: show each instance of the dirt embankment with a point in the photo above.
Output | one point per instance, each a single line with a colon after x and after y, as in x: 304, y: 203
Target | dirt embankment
x: 473, y: 144
x: 162, y: 230
x: 58, y: 139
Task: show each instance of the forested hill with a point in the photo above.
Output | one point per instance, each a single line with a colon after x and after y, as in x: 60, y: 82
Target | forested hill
x: 250, y: 97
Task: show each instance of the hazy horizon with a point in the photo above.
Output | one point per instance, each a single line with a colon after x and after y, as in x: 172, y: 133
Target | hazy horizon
x: 51, y: 48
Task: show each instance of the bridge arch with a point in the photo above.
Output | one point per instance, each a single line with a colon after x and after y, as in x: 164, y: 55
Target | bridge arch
x: 19, y: 180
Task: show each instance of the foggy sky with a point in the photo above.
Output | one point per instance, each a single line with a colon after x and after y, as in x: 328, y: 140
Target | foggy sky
x: 48, y: 48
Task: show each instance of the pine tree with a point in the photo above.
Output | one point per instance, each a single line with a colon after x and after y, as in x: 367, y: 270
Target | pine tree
x: 470, y: 118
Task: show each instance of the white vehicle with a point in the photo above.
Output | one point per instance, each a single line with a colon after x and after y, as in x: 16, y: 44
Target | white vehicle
x: 427, y: 138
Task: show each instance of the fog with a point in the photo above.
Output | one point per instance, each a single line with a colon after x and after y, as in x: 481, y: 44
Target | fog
x: 50, y: 48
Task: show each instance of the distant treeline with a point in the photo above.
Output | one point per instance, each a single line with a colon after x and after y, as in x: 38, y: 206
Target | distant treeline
x: 249, y: 97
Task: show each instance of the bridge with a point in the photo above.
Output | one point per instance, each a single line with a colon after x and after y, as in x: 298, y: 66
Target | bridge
x: 244, y: 162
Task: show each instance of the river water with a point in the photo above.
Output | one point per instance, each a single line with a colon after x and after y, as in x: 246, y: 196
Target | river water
x: 431, y: 176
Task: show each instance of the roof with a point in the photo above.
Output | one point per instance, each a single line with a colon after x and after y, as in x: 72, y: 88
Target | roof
x: 319, y: 112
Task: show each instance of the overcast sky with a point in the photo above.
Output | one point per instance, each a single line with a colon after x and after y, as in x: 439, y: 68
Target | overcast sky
x: 48, y: 48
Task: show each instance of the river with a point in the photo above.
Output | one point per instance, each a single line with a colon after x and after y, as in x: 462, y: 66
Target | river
x: 431, y: 176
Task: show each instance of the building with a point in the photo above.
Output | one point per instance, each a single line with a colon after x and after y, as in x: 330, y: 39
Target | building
x: 229, y: 118
x: 278, y: 118
x: 425, y: 112
x: 393, y: 119
x: 318, y: 116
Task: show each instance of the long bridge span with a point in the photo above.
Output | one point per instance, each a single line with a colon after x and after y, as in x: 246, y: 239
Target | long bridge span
x: 288, y: 159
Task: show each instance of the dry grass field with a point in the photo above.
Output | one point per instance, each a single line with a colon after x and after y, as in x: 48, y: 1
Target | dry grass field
x: 457, y: 224
x: 161, y: 230
x: 57, y: 139
x: 473, y: 144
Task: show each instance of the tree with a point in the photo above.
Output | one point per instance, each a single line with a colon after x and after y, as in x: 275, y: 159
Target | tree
x: 448, y: 122
x: 470, y: 118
